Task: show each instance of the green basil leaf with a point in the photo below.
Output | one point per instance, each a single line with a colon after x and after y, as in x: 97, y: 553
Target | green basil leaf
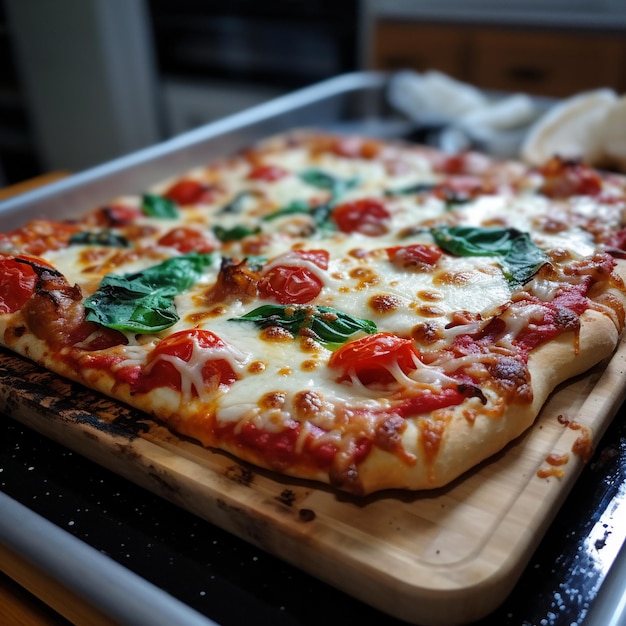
x: 329, y: 326
x: 158, y: 206
x: 143, y: 302
x: 99, y: 238
x: 410, y: 190
x: 297, y: 206
x: 235, y: 205
x: 450, y: 196
x: 136, y: 308
x: 235, y: 233
x: 255, y: 262
x: 323, y: 180
x: 321, y: 216
x: 474, y: 240
x: 334, y: 328
x: 519, y: 257
x: 320, y: 213
x: 522, y: 261
x: 290, y: 318
x: 319, y: 179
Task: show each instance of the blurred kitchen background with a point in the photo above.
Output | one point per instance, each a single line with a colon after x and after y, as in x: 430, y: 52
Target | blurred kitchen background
x: 84, y: 81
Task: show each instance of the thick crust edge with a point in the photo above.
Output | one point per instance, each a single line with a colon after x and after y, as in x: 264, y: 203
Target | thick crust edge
x: 467, y: 443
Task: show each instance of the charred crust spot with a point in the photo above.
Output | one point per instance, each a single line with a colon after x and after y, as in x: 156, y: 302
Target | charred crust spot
x: 347, y: 478
x: 567, y: 320
x: 164, y: 485
x: 513, y: 377
x: 389, y: 432
x: 17, y: 331
x: 471, y: 391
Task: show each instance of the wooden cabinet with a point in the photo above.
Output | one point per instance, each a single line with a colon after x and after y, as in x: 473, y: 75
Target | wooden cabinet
x: 545, y: 62
x: 405, y: 45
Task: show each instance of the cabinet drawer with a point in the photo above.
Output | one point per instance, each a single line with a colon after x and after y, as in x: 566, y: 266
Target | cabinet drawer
x: 420, y: 47
x: 545, y: 63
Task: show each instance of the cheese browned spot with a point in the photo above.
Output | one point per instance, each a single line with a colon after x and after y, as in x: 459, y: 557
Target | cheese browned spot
x: 384, y: 303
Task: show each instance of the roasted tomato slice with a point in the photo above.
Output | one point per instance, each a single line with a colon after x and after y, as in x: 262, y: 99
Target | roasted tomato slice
x: 115, y: 215
x: 564, y: 178
x: 17, y: 283
x: 186, y: 239
x: 268, y: 173
x: 416, y: 254
x: 292, y: 283
x: 367, y: 216
x: 372, y: 358
x: 177, y: 360
x: 319, y: 257
x: 39, y: 236
x: 188, y: 191
x: 357, y: 147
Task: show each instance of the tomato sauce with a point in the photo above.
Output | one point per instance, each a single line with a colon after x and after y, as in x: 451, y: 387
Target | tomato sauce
x: 283, y: 449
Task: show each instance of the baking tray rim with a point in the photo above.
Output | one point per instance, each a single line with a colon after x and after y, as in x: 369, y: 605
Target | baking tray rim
x: 29, y: 201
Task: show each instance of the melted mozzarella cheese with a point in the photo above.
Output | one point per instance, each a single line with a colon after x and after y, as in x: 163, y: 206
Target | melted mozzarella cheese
x: 471, y: 284
x: 191, y: 371
x: 360, y: 281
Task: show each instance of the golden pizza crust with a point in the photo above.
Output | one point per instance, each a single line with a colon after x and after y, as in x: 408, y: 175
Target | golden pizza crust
x: 466, y: 443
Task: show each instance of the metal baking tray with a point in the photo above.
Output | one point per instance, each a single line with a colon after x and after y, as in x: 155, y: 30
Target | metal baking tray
x: 349, y: 101
x: 335, y: 542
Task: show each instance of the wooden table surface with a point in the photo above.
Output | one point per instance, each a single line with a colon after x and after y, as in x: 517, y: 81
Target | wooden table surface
x: 28, y: 185
x: 19, y: 607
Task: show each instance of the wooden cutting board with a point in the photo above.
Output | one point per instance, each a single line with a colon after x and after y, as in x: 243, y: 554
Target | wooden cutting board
x: 436, y: 558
